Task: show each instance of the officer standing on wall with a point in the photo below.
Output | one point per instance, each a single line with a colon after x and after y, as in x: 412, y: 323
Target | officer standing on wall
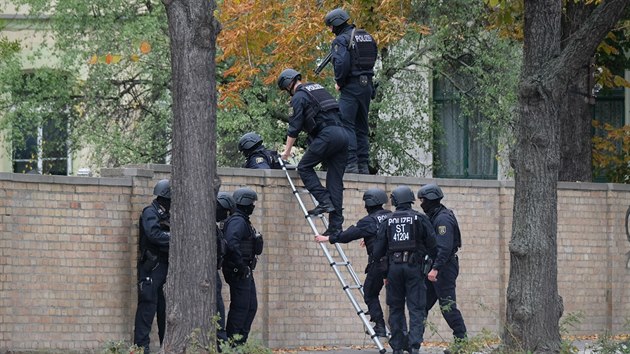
x: 367, y: 228
x: 354, y: 53
x: 244, y: 243
x: 258, y: 157
x: 225, y: 207
x: 153, y: 244
x: 446, y: 263
x: 317, y: 112
x: 406, y: 236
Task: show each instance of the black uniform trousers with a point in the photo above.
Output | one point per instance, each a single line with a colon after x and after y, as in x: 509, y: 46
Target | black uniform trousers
x: 221, y: 334
x: 405, y: 284
x: 150, y: 301
x: 243, y: 306
x: 443, y: 290
x: 329, y: 146
x: 371, y: 289
x: 354, y: 104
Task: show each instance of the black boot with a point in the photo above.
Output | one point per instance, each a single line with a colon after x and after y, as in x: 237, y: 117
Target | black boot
x: 352, y: 168
x: 325, y: 207
x: 379, y: 328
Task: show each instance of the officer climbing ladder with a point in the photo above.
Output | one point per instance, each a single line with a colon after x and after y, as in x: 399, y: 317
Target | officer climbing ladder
x: 336, y: 265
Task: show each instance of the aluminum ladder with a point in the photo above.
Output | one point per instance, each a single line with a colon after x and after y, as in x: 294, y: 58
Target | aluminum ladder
x: 356, y: 283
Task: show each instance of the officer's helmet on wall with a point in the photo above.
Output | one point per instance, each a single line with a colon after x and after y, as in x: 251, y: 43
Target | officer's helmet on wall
x: 287, y: 77
x: 336, y: 17
x: 430, y: 192
x: 249, y: 142
x: 244, y: 196
x: 402, y: 195
x: 162, y: 189
x: 225, y: 200
x: 374, y: 197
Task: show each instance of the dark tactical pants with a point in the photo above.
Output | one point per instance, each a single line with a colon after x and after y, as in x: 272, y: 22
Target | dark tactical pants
x: 150, y: 301
x: 354, y: 104
x: 405, y: 284
x: 443, y: 290
x: 330, y: 146
x: 243, y: 306
x: 221, y: 334
x: 371, y: 289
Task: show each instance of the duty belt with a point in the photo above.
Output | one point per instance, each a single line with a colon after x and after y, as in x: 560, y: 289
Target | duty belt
x: 358, y: 78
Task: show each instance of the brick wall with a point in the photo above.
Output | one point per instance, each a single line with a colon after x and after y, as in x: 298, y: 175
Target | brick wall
x: 68, y: 253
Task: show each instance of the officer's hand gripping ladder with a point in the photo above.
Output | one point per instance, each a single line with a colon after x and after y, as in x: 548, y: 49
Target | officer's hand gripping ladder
x: 335, y: 265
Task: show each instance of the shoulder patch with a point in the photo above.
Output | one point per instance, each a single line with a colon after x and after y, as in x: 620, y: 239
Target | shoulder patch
x: 260, y: 160
x: 442, y: 229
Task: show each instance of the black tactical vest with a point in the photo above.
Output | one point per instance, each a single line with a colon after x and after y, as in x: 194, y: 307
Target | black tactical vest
x: 323, y: 100
x: 363, y: 50
x: 247, y: 242
x: 401, y: 231
x: 379, y: 217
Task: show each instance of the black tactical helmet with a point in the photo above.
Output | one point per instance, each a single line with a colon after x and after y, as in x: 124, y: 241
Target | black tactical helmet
x: 401, y: 195
x: 336, y: 17
x: 430, y: 192
x: 244, y: 196
x: 249, y: 141
x: 286, y: 78
x: 226, y: 201
x: 374, y: 197
x: 162, y: 189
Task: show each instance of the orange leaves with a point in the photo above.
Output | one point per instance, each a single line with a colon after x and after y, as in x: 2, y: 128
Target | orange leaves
x: 109, y: 58
x: 261, y: 38
x: 145, y: 47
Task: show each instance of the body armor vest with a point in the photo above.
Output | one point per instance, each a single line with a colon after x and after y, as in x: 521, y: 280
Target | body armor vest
x: 378, y: 217
x: 401, y: 231
x: 324, y: 102
x: 143, y: 242
x: 363, y: 50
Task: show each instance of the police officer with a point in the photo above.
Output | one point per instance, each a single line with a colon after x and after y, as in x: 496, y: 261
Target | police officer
x: 366, y: 228
x: 446, y: 263
x: 354, y: 53
x: 258, y: 157
x: 244, y: 243
x: 154, y: 239
x: 225, y: 207
x: 317, y: 112
x: 406, y: 236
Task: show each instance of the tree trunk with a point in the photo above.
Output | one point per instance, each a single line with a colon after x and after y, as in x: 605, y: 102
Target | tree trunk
x: 190, y: 288
x: 534, y: 306
x: 577, y: 111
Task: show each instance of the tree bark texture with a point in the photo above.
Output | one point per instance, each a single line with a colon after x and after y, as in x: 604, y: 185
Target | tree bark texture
x: 190, y: 288
x: 577, y: 111
x: 534, y: 306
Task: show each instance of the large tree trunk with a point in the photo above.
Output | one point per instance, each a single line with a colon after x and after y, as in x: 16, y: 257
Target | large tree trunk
x: 190, y: 288
x: 534, y: 306
x: 577, y: 111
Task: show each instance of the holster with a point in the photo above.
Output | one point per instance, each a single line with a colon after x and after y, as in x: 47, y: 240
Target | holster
x: 149, y: 261
x: 427, y: 264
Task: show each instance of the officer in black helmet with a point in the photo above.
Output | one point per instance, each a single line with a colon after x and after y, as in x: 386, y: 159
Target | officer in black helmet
x: 244, y: 244
x: 225, y: 207
x: 316, y: 112
x: 366, y: 228
x: 153, y: 246
x: 446, y: 263
x: 354, y: 53
x: 258, y: 157
x: 406, y: 237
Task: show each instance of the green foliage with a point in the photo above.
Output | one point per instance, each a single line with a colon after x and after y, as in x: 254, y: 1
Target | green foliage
x: 611, y: 152
x: 608, y: 344
x: 121, y: 347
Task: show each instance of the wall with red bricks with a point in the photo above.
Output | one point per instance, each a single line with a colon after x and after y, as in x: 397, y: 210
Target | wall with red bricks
x: 68, y: 254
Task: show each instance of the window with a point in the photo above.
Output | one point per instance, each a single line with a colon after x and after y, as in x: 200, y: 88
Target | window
x: 458, y: 150
x: 40, y: 123
x: 45, y: 150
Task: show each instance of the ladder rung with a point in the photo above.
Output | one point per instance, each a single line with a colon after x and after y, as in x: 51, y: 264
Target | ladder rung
x: 354, y: 286
x: 339, y: 263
